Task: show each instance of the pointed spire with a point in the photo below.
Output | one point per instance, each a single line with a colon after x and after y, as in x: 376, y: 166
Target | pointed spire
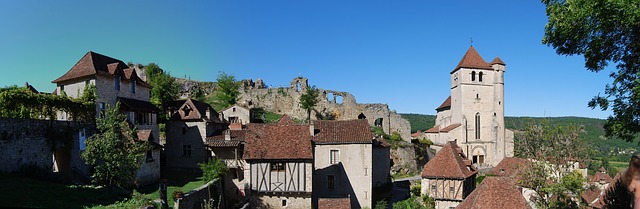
x: 472, y: 59
x: 498, y: 61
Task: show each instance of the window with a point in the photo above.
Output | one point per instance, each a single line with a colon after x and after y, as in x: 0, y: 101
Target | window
x: 61, y: 89
x: 234, y: 109
x: 149, y: 157
x: 116, y: 81
x: 284, y: 202
x: 378, y: 122
x: 82, y: 136
x: 452, y: 189
x: 480, y: 76
x: 277, y: 167
x: 133, y: 86
x: 478, y: 159
x: 102, y: 109
x: 186, y: 150
x: 334, y: 157
x: 87, y: 82
x: 331, y: 182
x: 433, y: 188
x: 473, y: 76
x: 184, y: 130
x: 477, y: 125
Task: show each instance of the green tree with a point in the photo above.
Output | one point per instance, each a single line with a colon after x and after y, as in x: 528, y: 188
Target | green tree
x: 227, y: 92
x: 164, y: 88
x: 114, y: 151
x: 214, y: 168
x: 309, y: 99
x: 604, y: 32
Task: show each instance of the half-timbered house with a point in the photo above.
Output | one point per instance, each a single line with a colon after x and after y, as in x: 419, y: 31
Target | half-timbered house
x: 449, y: 177
x: 279, y: 157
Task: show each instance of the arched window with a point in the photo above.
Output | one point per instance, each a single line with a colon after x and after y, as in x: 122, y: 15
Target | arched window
x: 477, y: 125
x: 473, y: 76
x: 480, y: 76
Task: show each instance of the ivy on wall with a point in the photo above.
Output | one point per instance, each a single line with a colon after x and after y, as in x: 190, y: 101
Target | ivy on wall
x: 20, y: 102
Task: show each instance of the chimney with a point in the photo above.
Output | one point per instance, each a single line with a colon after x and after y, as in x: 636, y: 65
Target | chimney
x: 227, y: 135
x: 312, y: 129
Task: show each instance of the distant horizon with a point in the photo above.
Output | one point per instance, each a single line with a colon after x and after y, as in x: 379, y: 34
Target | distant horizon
x: 396, y: 53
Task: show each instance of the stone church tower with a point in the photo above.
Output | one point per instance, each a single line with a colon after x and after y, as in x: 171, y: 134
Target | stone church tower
x: 473, y: 115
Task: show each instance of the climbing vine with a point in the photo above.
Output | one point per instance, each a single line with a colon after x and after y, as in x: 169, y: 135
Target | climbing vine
x: 20, y: 102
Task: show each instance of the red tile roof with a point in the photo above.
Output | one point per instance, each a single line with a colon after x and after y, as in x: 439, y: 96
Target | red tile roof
x: 601, y: 176
x: 510, y: 167
x: 145, y: 136
x: 445, y: 104
x: 334, y: 203
x: 237, y: 137
x: 342, y: 131
x: 449, y: 163
x: 283, y: 140
x: 473, y: 60
x: 416, y: 134
x: 93, y: 64
x: 436, y: 129
x: 591, y: 195
x: 495, y: 192
x: 497, y: 60
x: 197, y: 110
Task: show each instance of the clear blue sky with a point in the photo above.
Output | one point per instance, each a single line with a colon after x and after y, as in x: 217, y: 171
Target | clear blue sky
x: 394, y: 52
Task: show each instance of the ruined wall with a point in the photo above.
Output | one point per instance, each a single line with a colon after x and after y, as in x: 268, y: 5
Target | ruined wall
x: 336, y: 105
x: 211, y: 193
x: 37, y: 143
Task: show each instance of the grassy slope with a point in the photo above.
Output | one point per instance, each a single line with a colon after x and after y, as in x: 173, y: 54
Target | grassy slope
x: 593, y: 129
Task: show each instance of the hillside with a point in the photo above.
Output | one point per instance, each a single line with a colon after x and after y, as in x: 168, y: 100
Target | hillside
x: 593, y: 129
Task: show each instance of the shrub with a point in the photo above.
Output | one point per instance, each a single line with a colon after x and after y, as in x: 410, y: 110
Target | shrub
x: 415, y: 189
x: 213, y: 169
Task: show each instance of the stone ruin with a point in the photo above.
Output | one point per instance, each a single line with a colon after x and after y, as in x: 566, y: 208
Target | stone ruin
x: 333, y: 105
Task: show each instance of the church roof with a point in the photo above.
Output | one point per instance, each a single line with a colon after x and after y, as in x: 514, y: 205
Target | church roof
x: 497, y: 60
x: 445, y: 104
x: 436, y: 128
x: 473, y: 60
x: 449, y: 163
x: 495, y: 192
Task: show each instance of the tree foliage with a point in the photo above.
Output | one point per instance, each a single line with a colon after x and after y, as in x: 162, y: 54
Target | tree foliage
x: 604, y: 32
x: 19, y: 102
x: 164, y: 88
x: 309, y: 99
x: 114, y: 151
x: 553, y: 149
x: 227, y: 92
x: 214, y: 168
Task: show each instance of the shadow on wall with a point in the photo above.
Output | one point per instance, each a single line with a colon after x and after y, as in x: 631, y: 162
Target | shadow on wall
x: 322, y: 182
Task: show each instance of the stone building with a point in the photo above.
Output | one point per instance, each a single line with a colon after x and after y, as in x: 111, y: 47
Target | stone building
x: 334, y: 105
x: 344, y: 161
x: 280, y: 158
x: 116, y: 82
x: 449, y: 177
x: 236, y: 114
x: 189, y: 125
x: 473, y: 115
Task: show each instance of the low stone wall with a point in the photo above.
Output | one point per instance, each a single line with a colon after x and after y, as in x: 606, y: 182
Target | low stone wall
x: 210, y: 192
x: 47, y: 146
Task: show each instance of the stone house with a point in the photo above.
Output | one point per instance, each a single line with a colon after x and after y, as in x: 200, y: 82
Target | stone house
x: 344, y: 157
x: 189, y: 125
x: 228, y: 146
x: 236, y: 114
x: 279, y: 158
x: 116, y: 82
x: 473, y: 115
x: 449, y: 177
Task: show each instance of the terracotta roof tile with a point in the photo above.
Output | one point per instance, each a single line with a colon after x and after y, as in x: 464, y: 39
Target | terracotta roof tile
x: 497, y: 60
x: 601, y: 176
x: 93, y: 63
x: 510, y: 167
x: 285, y: 120
x: 473, y: 60
x: 495, y: 192
x: 436, y: 129
x: 416, y: 134
x: 342, y: 131
x: 591, y: 195
x: 197, y: 110
x: 237, y: 137
x: 277, y: 141
x: 446, y: 104
x: 448, y: 163
x: 334, y: 203
x: 145, y: 136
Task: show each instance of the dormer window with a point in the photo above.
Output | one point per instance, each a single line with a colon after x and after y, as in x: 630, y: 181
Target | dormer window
x: 473, y: 76
x: 116, y: 81
x: 133, y: 86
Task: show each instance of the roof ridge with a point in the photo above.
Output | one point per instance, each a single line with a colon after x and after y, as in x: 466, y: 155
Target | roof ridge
x: 472, y: 59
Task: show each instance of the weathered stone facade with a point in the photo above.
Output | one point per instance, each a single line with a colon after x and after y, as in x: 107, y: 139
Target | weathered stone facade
x: 210, y: 193
x: 336, y: 105
x: 236, y: 114
x: 52, y: 146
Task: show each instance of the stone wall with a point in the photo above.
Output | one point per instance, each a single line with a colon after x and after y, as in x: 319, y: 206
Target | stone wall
x: 336, y: 105
x: 210, y: 193
x: 50, y: 146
